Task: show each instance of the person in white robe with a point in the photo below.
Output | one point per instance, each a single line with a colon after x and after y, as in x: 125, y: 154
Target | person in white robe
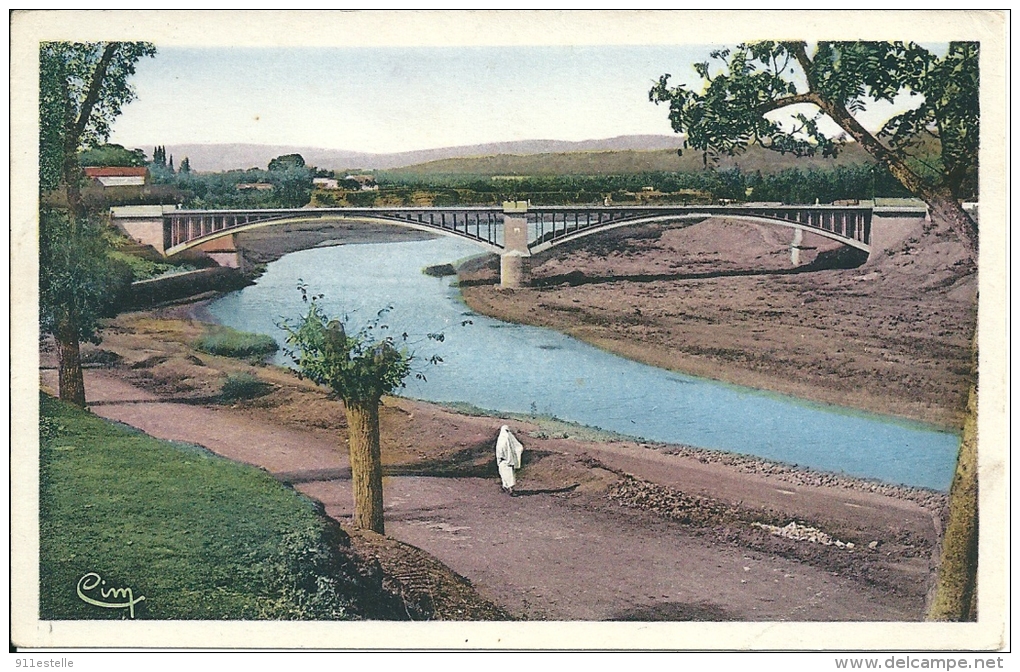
x: 508, y: 458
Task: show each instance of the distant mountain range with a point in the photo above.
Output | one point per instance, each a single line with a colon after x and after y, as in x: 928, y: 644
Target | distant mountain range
x: 215, y: 158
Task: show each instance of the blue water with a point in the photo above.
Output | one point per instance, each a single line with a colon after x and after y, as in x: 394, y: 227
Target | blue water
x: 514, y: 368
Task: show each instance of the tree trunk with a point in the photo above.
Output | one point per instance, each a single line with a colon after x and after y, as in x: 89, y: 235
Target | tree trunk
x: 945, y: 210
x: 943, y: 207
x: 955, y: 596
x: 71, y: 383
x: 366, y: 463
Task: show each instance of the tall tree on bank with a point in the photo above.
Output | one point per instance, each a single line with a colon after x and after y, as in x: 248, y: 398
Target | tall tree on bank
x: 755, y: 80
x: 82, y: 88
x: 359, y: 370
x: 735, y: 109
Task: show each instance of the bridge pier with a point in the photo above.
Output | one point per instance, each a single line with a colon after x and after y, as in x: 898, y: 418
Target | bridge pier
x: 513, y: 263
x: 513, y: 270
x: 224, y: 252
x: 142, y: 223
x: 795, y: 246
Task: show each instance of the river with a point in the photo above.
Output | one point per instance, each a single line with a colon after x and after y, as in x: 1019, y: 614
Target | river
x: 520, y: 369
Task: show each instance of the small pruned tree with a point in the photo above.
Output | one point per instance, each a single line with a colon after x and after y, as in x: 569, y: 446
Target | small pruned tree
x: 359, y: 368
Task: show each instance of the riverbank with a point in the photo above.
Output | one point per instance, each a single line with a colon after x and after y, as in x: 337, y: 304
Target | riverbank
x: 263, y: 246
x: 689, y: 519
x: 720, y: 299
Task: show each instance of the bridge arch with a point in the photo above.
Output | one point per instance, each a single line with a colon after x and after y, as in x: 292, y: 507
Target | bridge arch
x: 751, y: 218
x: 319, y: 217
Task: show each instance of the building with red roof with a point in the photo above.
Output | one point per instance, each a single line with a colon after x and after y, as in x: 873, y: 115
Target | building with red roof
x: 118, y: 176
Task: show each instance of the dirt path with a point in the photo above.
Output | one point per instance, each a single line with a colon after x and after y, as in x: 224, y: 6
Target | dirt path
x: 563, y: 550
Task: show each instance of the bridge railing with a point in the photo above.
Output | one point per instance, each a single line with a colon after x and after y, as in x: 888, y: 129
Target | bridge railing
x: 482, y: 224
x: 555, y: 222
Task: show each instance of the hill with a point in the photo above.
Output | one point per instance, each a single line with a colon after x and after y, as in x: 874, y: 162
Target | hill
x: 623, y: 162
x: 620, y: 155
x: 220, y: 157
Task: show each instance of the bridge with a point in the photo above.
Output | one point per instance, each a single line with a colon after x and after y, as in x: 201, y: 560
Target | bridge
x: 516, y: 230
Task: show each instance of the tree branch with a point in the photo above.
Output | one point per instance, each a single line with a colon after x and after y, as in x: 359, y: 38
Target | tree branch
x: 799, y: 51
x: 95, y: 86
x: 71, y: 169
x: 809, y: 97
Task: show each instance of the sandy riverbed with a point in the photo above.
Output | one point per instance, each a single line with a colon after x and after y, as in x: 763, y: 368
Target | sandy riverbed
x: 720, y: 299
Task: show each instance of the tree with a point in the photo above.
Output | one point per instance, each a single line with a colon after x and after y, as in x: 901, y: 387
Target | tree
x: 111, y: 155
x: 185, y: 166
x: 78, y: 284
x: 734, y: 109
x: 82, y: 88
x: 286, y: 162
x: 359, y: 370
x: 757, y: 79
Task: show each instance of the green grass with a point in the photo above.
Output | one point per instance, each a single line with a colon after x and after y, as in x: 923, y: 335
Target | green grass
x: 144, y: 269
x: 219, y: 340
x: 199, y: 536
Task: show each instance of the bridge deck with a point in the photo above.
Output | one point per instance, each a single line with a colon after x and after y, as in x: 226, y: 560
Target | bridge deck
x: 547, y: 225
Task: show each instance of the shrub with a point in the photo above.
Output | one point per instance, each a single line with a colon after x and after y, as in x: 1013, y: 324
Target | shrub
x: 233, y: 343
x: 244, y: 385
x: 440, y: 270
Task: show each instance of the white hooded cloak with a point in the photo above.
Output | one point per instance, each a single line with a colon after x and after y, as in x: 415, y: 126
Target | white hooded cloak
x: 508, y: 456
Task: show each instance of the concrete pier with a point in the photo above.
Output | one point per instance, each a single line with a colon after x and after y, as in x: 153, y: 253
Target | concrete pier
x: 143, y: 223
x: 513, y: 265
x: 795, y: 246
x: 224, y: 252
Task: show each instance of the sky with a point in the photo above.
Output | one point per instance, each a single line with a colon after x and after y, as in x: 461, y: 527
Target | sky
x: 398, y: 99
x: 394, y: 99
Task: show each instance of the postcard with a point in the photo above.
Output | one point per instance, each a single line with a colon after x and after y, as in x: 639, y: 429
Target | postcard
x: 509, y: 330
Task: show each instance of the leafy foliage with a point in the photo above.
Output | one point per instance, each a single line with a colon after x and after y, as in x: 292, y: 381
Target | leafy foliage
x: 82, y: 89
x: 950, y: 113
x: 77, y: 276
x: 357, y: 367
x: 756, y: 79
x: 744, y: 85
x: 111, y: 155
x: 792, y: 185
x: 145, y: 269
x: 287, y: 162
x: 243, y: 385
x: 292, y: 187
